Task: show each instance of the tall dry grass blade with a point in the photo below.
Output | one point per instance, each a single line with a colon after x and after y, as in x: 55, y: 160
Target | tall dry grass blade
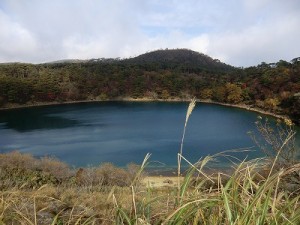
x: 134, y: 205
x: 34, y: 211
x: 142, y: 167
x: 205, y: 160
x: 249, y: 178
x: 23, y: 218
x: 87, y: 221
x: 71, y: 215
x: 111, y: 193
x: 188, y: 113
x: 115, y: 201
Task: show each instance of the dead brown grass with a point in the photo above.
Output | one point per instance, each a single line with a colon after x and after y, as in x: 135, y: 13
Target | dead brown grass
x: 106, y: 195
x: 48, y: 191
x: 17, y: 169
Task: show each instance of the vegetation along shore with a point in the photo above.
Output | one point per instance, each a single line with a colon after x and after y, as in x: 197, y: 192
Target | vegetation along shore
x: 173, y: 75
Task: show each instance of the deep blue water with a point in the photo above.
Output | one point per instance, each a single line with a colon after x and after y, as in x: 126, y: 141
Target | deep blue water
x: 123, y: 132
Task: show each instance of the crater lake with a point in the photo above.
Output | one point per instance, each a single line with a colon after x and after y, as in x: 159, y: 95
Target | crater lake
x: 88, y: 134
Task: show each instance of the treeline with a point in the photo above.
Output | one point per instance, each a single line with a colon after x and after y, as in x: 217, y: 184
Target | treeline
x: 163, y: 74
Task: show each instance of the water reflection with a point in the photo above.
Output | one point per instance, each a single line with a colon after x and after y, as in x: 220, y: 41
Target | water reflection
x: 24, y: 120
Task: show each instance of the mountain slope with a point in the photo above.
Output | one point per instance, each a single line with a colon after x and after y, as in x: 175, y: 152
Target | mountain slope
x: 183, y: 58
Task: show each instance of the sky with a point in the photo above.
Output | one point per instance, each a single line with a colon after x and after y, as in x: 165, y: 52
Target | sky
x: 238, y: 32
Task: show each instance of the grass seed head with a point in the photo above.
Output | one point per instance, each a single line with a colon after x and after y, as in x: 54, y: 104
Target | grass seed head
x: 190, y: 109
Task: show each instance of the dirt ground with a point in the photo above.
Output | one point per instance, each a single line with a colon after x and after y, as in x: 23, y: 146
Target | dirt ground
x: 160, y: 181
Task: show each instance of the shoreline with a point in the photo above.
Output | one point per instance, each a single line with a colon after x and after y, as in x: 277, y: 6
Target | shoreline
x: 128, y: 99
x: 248, y: 108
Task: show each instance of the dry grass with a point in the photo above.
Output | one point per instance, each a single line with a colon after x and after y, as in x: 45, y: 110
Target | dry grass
x: 245, y: 197
x: 55, y: 205
x: 47, y: 191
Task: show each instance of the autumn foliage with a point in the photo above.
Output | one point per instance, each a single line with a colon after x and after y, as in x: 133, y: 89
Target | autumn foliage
x: 162, y: 74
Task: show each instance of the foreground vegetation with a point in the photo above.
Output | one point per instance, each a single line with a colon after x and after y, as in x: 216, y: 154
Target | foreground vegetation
x: 163, y: 74
x: 245, y: 197
x: 260, y: 191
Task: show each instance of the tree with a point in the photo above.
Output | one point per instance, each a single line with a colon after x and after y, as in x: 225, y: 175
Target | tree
x: 219, y: 94
x: 165, y: 94
x: 206, y: 93
x: 271, y: 103
x: 234, y: 93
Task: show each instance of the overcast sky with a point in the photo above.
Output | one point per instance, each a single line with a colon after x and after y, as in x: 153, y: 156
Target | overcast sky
x: 238, y: 32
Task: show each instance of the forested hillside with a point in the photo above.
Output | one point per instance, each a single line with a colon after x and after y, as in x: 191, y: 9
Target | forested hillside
x: 162, y: 74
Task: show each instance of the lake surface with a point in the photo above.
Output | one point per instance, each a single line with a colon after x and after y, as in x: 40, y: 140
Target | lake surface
x: 123, y: 132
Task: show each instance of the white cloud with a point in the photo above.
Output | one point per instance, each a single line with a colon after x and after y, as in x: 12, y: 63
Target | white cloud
x: 253, y: 5
x: 269, y: 41
x: 200, y: 43
x: 15, y: 41
x: 241, y: 33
